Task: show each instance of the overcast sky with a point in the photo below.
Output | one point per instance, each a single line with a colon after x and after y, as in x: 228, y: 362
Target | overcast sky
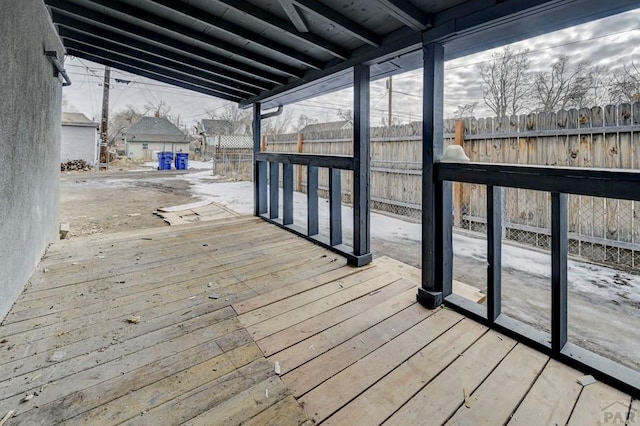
x: 609, y: 42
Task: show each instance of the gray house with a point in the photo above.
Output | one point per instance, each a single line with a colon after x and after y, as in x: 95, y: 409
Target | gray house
x: 78, y: 138
x: 154, y: 134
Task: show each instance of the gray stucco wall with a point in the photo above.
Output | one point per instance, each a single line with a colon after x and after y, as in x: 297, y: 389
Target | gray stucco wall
x: 78, y: 143
x: 30, y: 111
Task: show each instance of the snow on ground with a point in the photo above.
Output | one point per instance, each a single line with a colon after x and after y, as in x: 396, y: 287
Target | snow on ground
x: 583, y: 276
x: 192, y: 164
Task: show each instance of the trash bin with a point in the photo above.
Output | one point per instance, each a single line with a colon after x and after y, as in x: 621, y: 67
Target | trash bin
x: 164, y: 160
x: 182, y: 160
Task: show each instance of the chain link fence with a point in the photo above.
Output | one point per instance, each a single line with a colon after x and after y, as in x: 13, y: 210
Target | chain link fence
x: 232, y: 156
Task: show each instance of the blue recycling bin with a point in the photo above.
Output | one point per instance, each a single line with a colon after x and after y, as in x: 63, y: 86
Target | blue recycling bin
x: 164, y: 160
x: 182, y: 160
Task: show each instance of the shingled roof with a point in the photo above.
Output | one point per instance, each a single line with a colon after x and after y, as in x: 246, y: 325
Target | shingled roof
x: 77, y: 119
x: 154, y: 129
x: 328, y: 126
x: 222, y: 127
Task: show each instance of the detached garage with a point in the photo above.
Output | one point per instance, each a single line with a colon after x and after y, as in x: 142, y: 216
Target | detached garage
x: 79, y: 138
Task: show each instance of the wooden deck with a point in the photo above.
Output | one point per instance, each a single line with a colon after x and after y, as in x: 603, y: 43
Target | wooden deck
x: 185, y: 324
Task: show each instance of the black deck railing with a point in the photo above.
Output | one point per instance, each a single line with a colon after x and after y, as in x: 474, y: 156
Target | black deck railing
x: 559, y: 182
x: 334, y: 164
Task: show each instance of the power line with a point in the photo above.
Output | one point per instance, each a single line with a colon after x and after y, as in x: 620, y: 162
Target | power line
x: 177, y: 91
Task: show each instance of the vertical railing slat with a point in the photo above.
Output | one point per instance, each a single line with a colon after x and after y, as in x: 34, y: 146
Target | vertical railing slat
x: 444, y: 237
x: 559, y: 248
x: 335, y: 207
x: 494, y: 252
x: 274, y: 198
x: 312, y: 200
x: 259, y: 167
x: 287, y: 194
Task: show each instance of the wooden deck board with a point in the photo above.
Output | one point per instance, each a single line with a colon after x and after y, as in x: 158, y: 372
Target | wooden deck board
x: 328, y: 339
x: 599, y: 404
x: 444, y: 395
x: 497, y: 398
x: 352, y: 344
x: 378, y: 403
x: 540, y: 407
x: 331, y: 395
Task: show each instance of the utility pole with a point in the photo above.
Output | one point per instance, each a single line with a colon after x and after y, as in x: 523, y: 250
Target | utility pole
x: 390, y: 87
x: 104, y: 152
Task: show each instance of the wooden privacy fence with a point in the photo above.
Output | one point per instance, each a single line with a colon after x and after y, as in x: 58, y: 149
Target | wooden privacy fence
x: 600, y: 229
x: 396, y: 164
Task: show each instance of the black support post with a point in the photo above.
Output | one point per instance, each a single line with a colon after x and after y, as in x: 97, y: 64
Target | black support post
x: 274, y: 190
x: 335, y: 207
x: 559, y: 250
x: 259, y: 167
x: 361, y: 160
x: 436, y: 198
x: 287, y: 194
x: 494, y: 252
x: 312, y: 200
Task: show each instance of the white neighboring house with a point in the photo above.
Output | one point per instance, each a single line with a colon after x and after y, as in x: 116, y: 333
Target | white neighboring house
x: 151, y: 135
x: 79, y: 138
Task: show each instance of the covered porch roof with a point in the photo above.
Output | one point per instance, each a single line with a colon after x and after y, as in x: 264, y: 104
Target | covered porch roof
x: 280, y: 52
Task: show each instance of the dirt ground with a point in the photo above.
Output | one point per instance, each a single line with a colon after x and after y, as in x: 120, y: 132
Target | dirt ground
x: 105, y: 202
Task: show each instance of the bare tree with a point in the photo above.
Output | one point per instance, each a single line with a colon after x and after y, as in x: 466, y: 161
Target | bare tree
x: 597, y: 90
x: 304, y: 120
x: 233, y: 115
x: 395, y: 120
x: 345, y: 114
x: 162, y: 109
x: 506, y: 82
x: 626, y: 85
x: 122, y: 120
x: 465, y: 110
x: 158, y: 109
x: 564, y: 85
x: 279, y: 124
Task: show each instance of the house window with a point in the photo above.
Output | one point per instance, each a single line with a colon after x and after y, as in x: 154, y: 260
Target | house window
x: 145, y: 146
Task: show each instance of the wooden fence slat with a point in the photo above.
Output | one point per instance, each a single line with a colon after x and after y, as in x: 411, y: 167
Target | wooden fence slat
x: 573, y: 146
x: 599, y: 215
x: 625, y: 154
x: 585, y: 160
x: 533, y: 198
x: 511, y: 156
x: 612, y: 160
